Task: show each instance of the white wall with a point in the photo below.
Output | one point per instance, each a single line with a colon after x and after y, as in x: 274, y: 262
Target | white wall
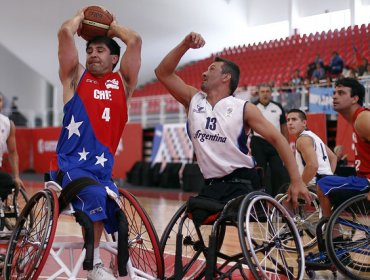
x: 18, y: 79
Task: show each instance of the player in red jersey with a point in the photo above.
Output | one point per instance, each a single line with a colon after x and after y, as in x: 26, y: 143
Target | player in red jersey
x: 95, y: 114
x: 348, y: 99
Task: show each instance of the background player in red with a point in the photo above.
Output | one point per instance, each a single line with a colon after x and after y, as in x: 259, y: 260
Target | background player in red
x: 348, y: 98
x: 95, y: 114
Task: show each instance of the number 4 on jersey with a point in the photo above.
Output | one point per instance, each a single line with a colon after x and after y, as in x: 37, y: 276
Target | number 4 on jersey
x: 106, y: 114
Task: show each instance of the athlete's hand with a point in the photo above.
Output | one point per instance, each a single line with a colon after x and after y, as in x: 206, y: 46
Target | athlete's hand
x: 298, y: 190
x: 194, y: 40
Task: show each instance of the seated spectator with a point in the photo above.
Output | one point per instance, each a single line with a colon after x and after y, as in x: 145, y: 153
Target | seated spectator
x: 329, y: 82
x: 312, y: 66
x: 297, y: 79
x: 341, y: 157
x: 336, y: 64
x: 362, y: 68
x: 319, y: 72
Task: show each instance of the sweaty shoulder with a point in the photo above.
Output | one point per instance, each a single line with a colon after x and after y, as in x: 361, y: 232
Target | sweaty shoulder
x: 362, y: 125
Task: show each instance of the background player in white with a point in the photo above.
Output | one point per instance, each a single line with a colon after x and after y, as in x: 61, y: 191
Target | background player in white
x: 314, y: 158
x: 214, y: 109
x: 8, y: 144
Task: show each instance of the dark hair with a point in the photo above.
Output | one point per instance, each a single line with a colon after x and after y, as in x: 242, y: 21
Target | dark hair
x: 231, y: 68
x: 265, y: 85
x: 111, y: 44
x: 301, y: 114
x: 357, y: 89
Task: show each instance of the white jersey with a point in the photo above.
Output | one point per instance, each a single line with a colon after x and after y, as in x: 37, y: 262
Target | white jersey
x: 273, y: 112
x: 218, y: 135
x: 321, y: 154
x: 4, y: 134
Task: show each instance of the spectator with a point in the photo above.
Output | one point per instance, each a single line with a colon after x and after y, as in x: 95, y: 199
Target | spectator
x: 16, y: 116
x: 362, y: 68
x: 264, y: 153
x: 312, y: 66
x: 319, y: 72
x: 297, y: 79
x: 341, y: 157
x: 336, y: 64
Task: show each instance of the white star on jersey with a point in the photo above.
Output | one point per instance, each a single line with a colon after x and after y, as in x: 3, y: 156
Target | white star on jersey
x: 73, y: 128
x: 100, y: 159
x: 83, y: 154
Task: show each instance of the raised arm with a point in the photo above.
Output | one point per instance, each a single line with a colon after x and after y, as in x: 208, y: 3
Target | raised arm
x: 165, y: 71
x: 70, y: 69
x: 13, y: 155
x: 254, y: 119
x: 131, y: 59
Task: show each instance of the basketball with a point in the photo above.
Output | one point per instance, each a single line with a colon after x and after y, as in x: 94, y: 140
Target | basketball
x: 96, y: 23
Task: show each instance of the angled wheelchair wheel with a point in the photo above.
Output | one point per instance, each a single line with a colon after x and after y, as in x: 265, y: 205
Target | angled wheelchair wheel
x: 348, y: 237
x: 144, y: 247
x: 305, y: 216
x: 32, y: 238
x: 13, y: 206
x: 192, y: 261
x: 262, y: 235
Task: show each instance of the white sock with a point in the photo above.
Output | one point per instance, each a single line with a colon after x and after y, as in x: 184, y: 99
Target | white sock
x: 97, y: 258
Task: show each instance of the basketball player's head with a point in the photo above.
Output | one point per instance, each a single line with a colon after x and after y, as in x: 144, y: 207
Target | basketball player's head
x: 111, y: 44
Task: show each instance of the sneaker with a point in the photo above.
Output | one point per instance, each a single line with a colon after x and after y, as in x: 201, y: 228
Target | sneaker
x: 100, y: 273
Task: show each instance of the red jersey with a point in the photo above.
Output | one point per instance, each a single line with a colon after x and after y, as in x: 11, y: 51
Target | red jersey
x: 362, y: 150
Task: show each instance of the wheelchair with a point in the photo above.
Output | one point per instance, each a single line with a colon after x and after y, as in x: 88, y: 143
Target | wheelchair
x: 12, y: 201
x: 306, y: 216
x: 208, y: 251
x: 32, y: 240
x: 346, y: 243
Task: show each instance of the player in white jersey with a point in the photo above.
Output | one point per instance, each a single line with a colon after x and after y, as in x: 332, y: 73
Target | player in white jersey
x: 219, y: 125
x: 314, y: 158
x: 8, y: 144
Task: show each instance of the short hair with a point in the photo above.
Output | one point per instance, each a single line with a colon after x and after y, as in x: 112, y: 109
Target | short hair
x: 301, y: 114
x: 357, y: 89
x: 231, y: 68
x: 111, y: 44
x: 265, y: 85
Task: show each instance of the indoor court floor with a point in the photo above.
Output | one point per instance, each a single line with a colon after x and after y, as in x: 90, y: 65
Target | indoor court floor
x: 160, y: 204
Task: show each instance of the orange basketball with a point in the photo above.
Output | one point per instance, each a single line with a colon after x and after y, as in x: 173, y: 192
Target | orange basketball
x: 96, y: 23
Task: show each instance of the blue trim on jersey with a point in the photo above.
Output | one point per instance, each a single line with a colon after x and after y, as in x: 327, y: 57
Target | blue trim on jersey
x: 242, y: 142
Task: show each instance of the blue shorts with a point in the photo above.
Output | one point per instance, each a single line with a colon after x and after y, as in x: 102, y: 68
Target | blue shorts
x: 330, y: 183
x: 93, y: 200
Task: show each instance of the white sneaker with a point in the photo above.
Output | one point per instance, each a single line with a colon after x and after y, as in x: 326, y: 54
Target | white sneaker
x: 100, y: 273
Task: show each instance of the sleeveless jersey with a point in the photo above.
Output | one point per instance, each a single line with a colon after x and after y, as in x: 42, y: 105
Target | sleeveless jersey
x: 321, y: 155
x: 218, y: 135
x: 362, y: 150
x: 93, y: 123
x: 273, y: 112
x: 4, y: 134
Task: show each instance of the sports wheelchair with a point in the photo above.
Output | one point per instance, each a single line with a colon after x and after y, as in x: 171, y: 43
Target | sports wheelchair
x: 209, y: 250
x: 12, y: 201
x: 344, y: 238
x: 32, y: 240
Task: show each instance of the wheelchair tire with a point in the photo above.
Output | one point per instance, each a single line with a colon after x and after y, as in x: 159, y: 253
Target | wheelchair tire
x: 144, y: 249
x: 32, y: 238
x: 348, y: 237
x: 305, y: 218
x: 194, y: 244
x: 261, y: 236
x: 14, y: 205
